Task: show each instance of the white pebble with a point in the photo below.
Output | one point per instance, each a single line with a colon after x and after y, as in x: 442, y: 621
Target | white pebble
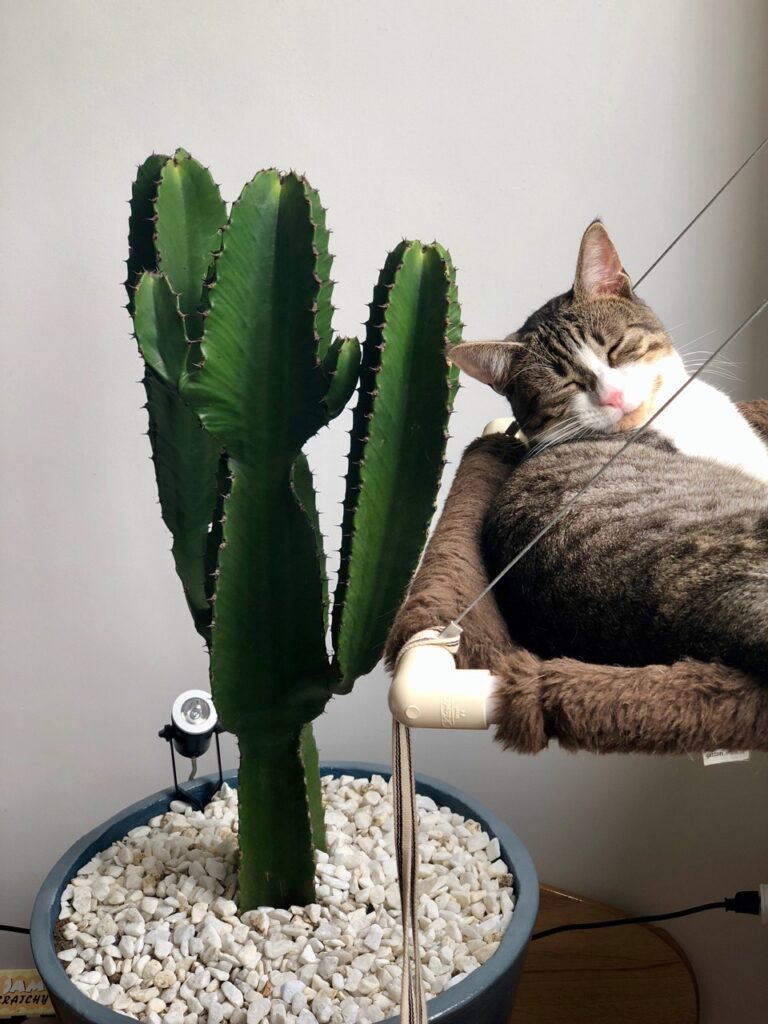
x: 290, y: 989
x: 278, y: 1014
x: 76, y: 967
x: 81, y: 901
x: 233, y: 993
x: 198, y: 912
x: 258, y: 1008
x: 210, y: 937
x: 149, y: 905
x: 216, y: 868
x: 308, y: 955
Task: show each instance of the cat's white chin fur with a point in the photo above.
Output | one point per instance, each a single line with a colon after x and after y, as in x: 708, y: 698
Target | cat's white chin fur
x: 701, y: 421
x: 704, y: 422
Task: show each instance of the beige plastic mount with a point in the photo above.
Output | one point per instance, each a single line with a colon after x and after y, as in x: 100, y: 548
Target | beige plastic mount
x: 429, y: 692
x: 498, y: 426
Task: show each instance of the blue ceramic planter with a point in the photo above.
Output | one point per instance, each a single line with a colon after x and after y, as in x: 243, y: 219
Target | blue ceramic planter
x: 485, y: 997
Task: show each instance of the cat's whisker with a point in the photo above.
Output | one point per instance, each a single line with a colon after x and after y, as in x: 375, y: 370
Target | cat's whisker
x: 706, y: 334
x: 565, y: 431
x: 724, y: 375
x: 560, y: 428
x: 683, y: 323
x: 721, y: 367
x: 707, y: 353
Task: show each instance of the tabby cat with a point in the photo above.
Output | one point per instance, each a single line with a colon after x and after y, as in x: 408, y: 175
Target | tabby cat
x: 666, y: 555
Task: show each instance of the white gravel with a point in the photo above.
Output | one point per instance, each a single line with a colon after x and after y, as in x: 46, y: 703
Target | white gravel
x: 151, y: 928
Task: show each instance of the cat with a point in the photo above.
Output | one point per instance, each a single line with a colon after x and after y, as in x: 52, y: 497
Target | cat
x: 666, y: 555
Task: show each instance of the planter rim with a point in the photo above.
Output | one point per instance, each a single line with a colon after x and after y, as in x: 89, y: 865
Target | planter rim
x: 45, y: 911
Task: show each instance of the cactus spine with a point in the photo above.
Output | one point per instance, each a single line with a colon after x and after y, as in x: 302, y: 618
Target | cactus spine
x: 233, y: 321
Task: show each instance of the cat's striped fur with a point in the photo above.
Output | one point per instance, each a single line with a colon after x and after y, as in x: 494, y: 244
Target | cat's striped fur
x: 667, y: 553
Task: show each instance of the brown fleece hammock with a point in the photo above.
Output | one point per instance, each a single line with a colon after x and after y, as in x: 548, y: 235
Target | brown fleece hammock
x: 687, y: 707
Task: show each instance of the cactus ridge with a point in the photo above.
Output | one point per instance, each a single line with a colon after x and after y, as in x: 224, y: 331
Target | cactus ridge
x: 342, y: 367
x: 190, y: 214
x: 323, y: 262
x: 370, y: 358
x: 141, y: 245
x: 453, y: 322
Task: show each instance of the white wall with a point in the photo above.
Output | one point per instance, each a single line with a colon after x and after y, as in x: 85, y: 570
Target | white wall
x: 501, y: 128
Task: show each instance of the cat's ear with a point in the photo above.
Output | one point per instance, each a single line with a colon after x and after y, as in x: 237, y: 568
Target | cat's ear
x: 491, y: 362
x: 599, y: 271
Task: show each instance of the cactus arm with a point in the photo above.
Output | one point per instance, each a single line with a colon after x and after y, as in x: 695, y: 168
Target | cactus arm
x: 159, y: 328
x: 176, y: 217
x: 141, y: 223
x: 190, y: 214
x: 261, y: 390
x: 323, y: 264
x: 185, y: 460
x: 396, y: 452
x: 369, y: 368
x: 342, y: 364
x: 454, y: 326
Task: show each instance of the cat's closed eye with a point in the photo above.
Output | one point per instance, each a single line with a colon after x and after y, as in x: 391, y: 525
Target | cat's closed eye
x: 571, y: 384
x: 614, y: 349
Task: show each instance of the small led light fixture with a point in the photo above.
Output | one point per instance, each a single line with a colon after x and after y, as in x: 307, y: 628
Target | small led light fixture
x: 193, y: 724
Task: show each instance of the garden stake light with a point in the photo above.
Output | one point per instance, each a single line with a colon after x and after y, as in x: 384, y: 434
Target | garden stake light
x: 193, y: 723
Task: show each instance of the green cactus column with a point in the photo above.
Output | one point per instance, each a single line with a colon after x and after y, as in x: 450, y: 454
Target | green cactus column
x: 261, y: 392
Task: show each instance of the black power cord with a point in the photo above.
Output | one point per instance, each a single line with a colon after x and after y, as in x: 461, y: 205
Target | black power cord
x: 746, y: 902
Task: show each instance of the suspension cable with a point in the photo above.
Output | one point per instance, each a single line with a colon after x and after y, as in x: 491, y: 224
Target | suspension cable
x: 702, y: 211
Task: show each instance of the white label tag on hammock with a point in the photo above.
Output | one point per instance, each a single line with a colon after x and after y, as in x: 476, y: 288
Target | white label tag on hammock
x: 724, y: 756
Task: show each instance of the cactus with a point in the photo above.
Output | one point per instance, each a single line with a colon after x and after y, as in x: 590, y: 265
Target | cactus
x: 233, y: 318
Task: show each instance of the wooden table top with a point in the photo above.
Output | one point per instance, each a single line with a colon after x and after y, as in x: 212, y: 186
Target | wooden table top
x: 636, y: 974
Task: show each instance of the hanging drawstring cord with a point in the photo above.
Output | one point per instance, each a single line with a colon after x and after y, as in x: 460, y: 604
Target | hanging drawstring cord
x: 413, y: 1004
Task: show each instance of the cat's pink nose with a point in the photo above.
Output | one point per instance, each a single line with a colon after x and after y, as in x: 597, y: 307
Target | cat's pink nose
x: 613, y: 397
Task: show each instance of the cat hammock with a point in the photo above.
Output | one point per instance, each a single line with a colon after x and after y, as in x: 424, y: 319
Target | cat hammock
x: 687, y: 707
x: 444, y: 676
